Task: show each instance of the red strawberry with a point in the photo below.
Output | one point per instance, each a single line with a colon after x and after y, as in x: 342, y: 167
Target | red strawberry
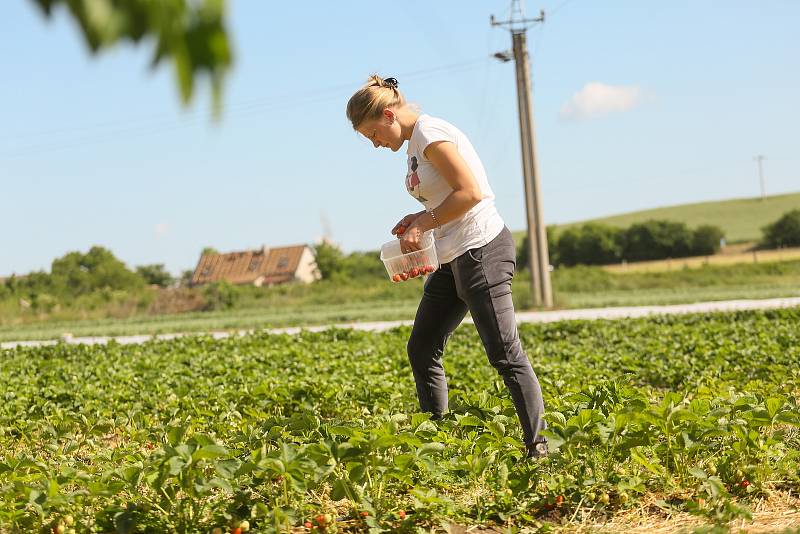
x: 404, y: 276
x: 414, y: 272
x: 396, y: 278
x: 401, y: 514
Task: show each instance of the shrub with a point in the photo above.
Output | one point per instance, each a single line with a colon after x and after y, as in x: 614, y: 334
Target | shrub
x: 568, y: 247
x: 552, y: 245
x: 599, y: 244
x: 785, y: 232
x: 220, y: 296
x: 328, y: 258
x: 656, y: 240
x: 706, y: 240
x: 155, y: 274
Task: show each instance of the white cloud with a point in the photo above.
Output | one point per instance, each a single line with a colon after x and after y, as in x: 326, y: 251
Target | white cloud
x: 597, y: 99
x: 161, y: 230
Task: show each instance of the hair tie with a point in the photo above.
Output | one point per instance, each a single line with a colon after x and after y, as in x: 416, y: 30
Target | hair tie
x: 391, y: 82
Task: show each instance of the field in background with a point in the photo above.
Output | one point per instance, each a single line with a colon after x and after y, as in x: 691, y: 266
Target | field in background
x: 740, y: 219
x: 732, y: 255
x: 380, y: 300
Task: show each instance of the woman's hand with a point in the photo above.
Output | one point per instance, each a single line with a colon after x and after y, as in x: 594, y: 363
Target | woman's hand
x: 400, y: 228
x: 411, y: 239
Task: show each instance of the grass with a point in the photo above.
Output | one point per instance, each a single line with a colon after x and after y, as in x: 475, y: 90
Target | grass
x: 729, y: 257
x: 377, y: 300
x: 740, y: 219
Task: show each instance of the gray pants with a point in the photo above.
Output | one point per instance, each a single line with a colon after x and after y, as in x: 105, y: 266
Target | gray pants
x: 479, y: 281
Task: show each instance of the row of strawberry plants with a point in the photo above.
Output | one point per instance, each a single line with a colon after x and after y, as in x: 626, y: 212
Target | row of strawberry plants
x: 319, y: 431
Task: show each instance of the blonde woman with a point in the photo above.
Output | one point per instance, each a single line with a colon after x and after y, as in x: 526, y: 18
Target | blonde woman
x: 476, y: 251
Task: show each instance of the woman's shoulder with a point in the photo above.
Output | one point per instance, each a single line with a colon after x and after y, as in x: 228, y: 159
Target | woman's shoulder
x: 434, y: 127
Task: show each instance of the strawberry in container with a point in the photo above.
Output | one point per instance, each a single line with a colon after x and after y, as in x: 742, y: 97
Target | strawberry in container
x: 404, y: 266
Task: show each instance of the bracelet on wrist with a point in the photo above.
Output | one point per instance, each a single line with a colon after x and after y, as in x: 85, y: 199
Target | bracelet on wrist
x: 435, y: 220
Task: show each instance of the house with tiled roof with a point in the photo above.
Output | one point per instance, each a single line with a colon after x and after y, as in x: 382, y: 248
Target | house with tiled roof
x: 265, y: 266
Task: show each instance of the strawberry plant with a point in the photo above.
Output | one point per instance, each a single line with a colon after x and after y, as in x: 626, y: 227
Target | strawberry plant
x: 320, y: 431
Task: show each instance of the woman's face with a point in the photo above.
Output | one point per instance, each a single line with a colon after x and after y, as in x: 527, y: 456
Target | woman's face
x: 383, y: 132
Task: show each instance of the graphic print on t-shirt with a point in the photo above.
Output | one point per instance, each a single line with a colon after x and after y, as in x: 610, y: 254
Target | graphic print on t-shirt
x: 412, y: 180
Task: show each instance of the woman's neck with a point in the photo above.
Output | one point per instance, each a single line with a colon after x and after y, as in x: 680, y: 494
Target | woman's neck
x: 407, y: 119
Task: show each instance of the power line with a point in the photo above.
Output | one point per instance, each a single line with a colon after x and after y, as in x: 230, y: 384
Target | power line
x: 557, y: 9
x: 161, y: 123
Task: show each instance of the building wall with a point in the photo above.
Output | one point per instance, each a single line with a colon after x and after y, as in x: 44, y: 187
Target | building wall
x: 307, y: 269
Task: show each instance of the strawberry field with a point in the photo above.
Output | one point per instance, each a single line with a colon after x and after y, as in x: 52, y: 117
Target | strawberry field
x: 664, y: 417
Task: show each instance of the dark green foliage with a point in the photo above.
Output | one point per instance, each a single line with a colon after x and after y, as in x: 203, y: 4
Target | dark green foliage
x: 785, y: 232
x: 363, y: 264
x: 155, y: 274
x: 328, y: 258
x: 656, y: 240
x: 190, y: 34
x: 568, y: 247
x: 334, y: 265
x: 80, y: 274
x: 522, y: 250
x: 591, y: 244
x: 598, y: 244
x: 706, y: 240
x: 221, y: 295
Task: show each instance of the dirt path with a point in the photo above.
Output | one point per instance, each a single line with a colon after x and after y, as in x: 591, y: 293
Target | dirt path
x: 522, y: 317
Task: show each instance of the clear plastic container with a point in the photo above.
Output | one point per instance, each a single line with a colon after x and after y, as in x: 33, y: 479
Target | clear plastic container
x: 401, y: 266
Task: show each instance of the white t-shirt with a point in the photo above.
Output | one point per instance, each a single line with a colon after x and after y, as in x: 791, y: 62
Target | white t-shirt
x: 480, y: 224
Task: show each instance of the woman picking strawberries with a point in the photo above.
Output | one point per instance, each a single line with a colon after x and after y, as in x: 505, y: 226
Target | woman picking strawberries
x: 475, y: 248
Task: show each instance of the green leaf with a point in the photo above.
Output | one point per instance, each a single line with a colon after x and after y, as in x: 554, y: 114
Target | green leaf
x: 469, y: 420
x: 644, y: 462
x: 430, y: 448
x: 773, y: 404
x: 698, y: 473
x: 210, y: 451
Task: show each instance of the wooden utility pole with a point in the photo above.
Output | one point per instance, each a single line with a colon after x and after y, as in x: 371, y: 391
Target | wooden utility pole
x: 538, y: 256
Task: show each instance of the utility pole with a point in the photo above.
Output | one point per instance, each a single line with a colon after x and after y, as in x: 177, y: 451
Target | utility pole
x: 759, y: 159
x: 538, y: 256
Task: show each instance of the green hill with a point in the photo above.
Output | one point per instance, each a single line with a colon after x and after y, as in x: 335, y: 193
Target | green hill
x: 741, y: 219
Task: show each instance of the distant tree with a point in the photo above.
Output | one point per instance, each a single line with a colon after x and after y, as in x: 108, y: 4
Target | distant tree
x: 329, y: 259
x: 598, y: 244
x: 706, y: 240
x: 189, y: 33
x: 186, y: 277
x: 220, y: 295
x: 362, y: 264
x: 785, y: 232
x: 567, y: 246
x: 208, y: 250
x: 97, y: 269
x: 552, y: 252
x: 655, y: 240
x: 155, y: 274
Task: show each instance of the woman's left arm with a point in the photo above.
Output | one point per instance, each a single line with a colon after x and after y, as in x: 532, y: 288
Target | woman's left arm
x: 466, y: 192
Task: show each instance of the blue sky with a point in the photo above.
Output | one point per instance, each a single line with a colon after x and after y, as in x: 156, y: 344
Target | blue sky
x: 637, y: 105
